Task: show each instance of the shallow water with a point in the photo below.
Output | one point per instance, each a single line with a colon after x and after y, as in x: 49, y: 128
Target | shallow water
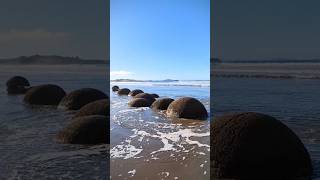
x: 147, y: 145
x: 28, y: 149
x: 293, y: 101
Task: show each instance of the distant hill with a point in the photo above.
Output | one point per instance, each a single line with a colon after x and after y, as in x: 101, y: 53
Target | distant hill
x: 49, y: 60
x: 133, y: 80
x: 280, y: 60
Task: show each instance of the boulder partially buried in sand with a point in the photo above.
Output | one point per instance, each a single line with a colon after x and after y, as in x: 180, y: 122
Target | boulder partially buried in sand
x: 162, y: 104
x: 188, y: 108
x: 135, y: 92
x: 139, y: 102
x: 147, y: 96
x: 78, y: 98
x: 47, y: 94
x: 254, y: 146
x: 17, y: 85
x: 115, y: 88
x: 123, y: 91
x: 99, y: 107
x: 86, y: 130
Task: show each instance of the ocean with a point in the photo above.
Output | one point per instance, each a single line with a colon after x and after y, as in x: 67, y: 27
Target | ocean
x: 28, y: 149
x: 147, y: 145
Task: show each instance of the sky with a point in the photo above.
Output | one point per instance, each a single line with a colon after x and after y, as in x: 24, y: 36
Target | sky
x: 160, y: 39
x: 251, y: 29
x: 54, y: 27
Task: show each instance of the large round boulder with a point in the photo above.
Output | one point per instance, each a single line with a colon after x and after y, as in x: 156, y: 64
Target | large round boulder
x: 252, y: 146
x: 162, y: 104
x: 155, y: 95
x: 47, y: 94
x: 78, y: 98
x: 115, y: 88
x: 99, y: 107
x: 139, y: 102
x: 123, y: 91
x: 188, y: 108
x: 92, y: 130
x: 147, y: 96
x: 17, y: 85
x: 135, y: 92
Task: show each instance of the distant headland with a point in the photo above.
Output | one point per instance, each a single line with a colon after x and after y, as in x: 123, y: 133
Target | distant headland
x: 49, y: 60
x: 133, y: 80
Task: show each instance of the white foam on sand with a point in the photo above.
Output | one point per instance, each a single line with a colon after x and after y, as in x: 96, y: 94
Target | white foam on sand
x: 124, y: 151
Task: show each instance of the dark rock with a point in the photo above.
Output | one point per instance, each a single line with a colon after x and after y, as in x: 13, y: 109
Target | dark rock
x: 155, y: 95
x: 147, y: 96
x: 17, y: 85
x: 123, y: 91
x: 47, y: 94
x: 78, y: 98
x: 188, y: 108
x: 115, y: 88
x: 162, y: 104
x: 99, y: 107
x: 135, y: 92
x: 92, y: 130
x: 139, y: 102
x: 254, y: 146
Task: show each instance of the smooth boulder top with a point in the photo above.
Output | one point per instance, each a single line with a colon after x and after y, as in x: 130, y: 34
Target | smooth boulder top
x: 123, y: 91
x: 252, y: 145
x: 139, y: 102
x: 78, y: 98
x: 155, y: 95
x: 188, y: 108
x: 88, y: 130
x: 48, y: 94
x: 162, y: 104
x: 115, y: 88
x: 99, y: 107
x: 135, y: 92
x: 17, y: 81
x: 147, y: 96
x: 17, y: 85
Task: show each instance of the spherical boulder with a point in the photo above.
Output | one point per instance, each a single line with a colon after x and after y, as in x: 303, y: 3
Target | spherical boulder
x: 17, y: 85
x: 162, y: 104
x: 139, y: 102
x: 123, y: 91
x: 47, y: 94
x: 78, y: 98
x: 115, y: 88
x: 155, y: 95
x: 99, y: 107
x: 188, y: 108
x: 91, y: 130
x: 147, y: 96
x: 135, y: 92
x: 252, y: 145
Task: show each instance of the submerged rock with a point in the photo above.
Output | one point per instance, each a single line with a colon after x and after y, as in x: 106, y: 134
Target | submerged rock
x: 78, y: 98
x: 17, y: 85
x: 123, y: 91
x: 252, y: 146
x: 135, y: 92
x: 92, y: 130
x: 99, y: 107
x: 47, y: 94
x: 115, y: 88
x: 162, y: 104
x: 147, y: 96
x: 188, y: 108
x: 139, y: 102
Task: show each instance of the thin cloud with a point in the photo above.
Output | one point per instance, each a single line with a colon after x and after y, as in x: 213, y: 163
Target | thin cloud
x: 120, y: 73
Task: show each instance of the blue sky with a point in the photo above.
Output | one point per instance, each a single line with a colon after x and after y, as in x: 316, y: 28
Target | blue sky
x: 160, y: 39
x: 251, y: 29
x: 54, y: 27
